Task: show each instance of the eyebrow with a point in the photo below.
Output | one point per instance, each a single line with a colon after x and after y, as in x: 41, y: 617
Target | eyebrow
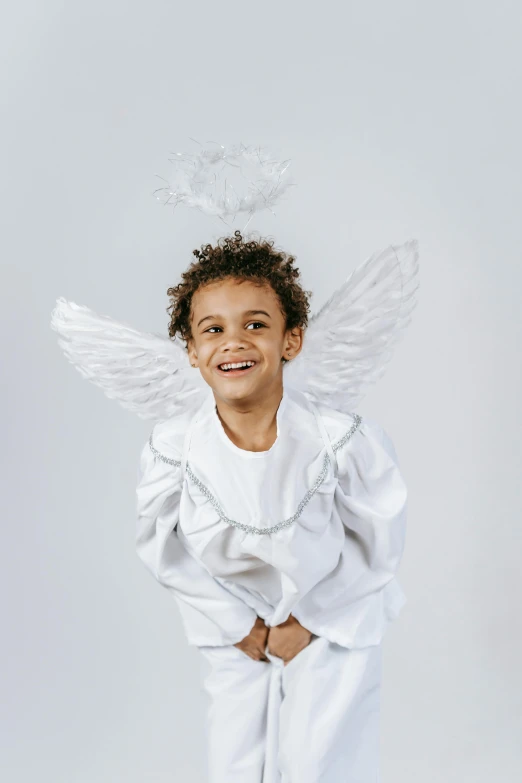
x: 247, y: 312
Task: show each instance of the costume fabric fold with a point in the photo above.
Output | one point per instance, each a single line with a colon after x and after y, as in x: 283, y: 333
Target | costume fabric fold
x: 210, y: 613
x: 234, y: 534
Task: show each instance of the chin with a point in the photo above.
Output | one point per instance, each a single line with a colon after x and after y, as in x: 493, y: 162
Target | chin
x: 236, y: 392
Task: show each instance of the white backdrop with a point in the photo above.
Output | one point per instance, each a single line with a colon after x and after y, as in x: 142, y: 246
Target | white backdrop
x: 402, y: 120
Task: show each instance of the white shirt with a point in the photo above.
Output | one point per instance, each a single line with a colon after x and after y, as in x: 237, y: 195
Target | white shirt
x: 313, y: 527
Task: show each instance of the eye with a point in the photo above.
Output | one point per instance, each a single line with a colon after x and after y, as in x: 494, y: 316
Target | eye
x: 254, y: 323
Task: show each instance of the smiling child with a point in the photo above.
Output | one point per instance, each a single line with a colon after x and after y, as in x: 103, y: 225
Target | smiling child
x: 278, y: 525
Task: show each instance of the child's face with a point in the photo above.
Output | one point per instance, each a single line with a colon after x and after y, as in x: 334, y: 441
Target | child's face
x: 235, y: 321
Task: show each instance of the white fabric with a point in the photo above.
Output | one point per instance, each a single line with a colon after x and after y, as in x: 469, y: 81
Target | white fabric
x: 314, y: 720
x: 333, y: 568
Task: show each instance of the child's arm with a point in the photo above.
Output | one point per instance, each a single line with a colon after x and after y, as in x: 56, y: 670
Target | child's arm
x: 211, y: 614
x: 353, y: 605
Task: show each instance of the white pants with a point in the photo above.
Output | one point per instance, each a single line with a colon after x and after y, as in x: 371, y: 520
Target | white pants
x: 315, y: 720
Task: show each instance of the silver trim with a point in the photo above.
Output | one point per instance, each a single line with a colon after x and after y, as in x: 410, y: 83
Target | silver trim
x: 280, y: 525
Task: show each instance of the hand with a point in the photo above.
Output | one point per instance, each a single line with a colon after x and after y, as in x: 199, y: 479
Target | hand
x: 288, y: 639
x: 254, y: 644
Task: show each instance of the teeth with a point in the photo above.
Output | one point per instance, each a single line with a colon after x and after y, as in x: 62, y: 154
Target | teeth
x: 235, y: 366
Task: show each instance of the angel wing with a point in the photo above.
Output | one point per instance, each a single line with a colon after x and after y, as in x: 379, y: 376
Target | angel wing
x: 346, y: 348
x: 350, y: 341
x: 147, y: 373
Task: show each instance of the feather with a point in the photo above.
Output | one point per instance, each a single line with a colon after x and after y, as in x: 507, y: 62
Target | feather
x: 146, y: 373
x: 346, y: 347
x: 351, y: 339
x: 226, y: 181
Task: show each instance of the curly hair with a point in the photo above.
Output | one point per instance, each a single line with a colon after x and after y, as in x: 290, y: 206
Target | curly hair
x: 234, y: 257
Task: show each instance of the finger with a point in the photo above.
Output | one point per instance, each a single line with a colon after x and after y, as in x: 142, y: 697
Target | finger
x: 256, y: 654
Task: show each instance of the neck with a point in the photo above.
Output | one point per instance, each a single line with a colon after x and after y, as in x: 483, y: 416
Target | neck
x: 251, y: 424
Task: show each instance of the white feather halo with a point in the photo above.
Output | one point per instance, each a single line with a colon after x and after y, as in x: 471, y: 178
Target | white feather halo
x: 225, y: 181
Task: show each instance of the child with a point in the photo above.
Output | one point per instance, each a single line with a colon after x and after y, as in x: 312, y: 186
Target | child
x: 276, y: 522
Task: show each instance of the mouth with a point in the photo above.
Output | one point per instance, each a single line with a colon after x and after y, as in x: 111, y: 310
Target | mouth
x: 235, y: 369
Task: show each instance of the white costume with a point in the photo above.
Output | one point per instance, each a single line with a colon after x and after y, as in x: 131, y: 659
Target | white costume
x: 312, y: 527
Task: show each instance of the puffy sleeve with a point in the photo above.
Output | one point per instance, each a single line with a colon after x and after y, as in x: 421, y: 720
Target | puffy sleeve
x: 354, y: 604
x: 211, y: 615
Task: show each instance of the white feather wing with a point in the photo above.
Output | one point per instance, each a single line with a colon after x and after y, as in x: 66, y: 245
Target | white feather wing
x: 350, y: 341
x: 147, y: 374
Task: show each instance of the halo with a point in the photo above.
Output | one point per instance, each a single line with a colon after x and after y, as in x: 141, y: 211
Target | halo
x: 203, y: 181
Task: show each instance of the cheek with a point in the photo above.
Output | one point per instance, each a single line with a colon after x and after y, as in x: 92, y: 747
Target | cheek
x: 205, y: 351
x: 202, y: 351
x: 273, y: 349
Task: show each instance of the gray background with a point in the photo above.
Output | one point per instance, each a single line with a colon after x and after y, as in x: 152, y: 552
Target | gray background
x: 402, y: 120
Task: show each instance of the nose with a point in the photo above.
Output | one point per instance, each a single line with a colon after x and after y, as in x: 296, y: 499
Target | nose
x: 234, y: 341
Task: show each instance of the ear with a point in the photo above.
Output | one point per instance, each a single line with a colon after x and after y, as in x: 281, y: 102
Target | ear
x: 193, y: 358
x: 293, y: 342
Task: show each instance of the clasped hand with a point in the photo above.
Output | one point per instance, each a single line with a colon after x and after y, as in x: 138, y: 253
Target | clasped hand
x: 284, y: 641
